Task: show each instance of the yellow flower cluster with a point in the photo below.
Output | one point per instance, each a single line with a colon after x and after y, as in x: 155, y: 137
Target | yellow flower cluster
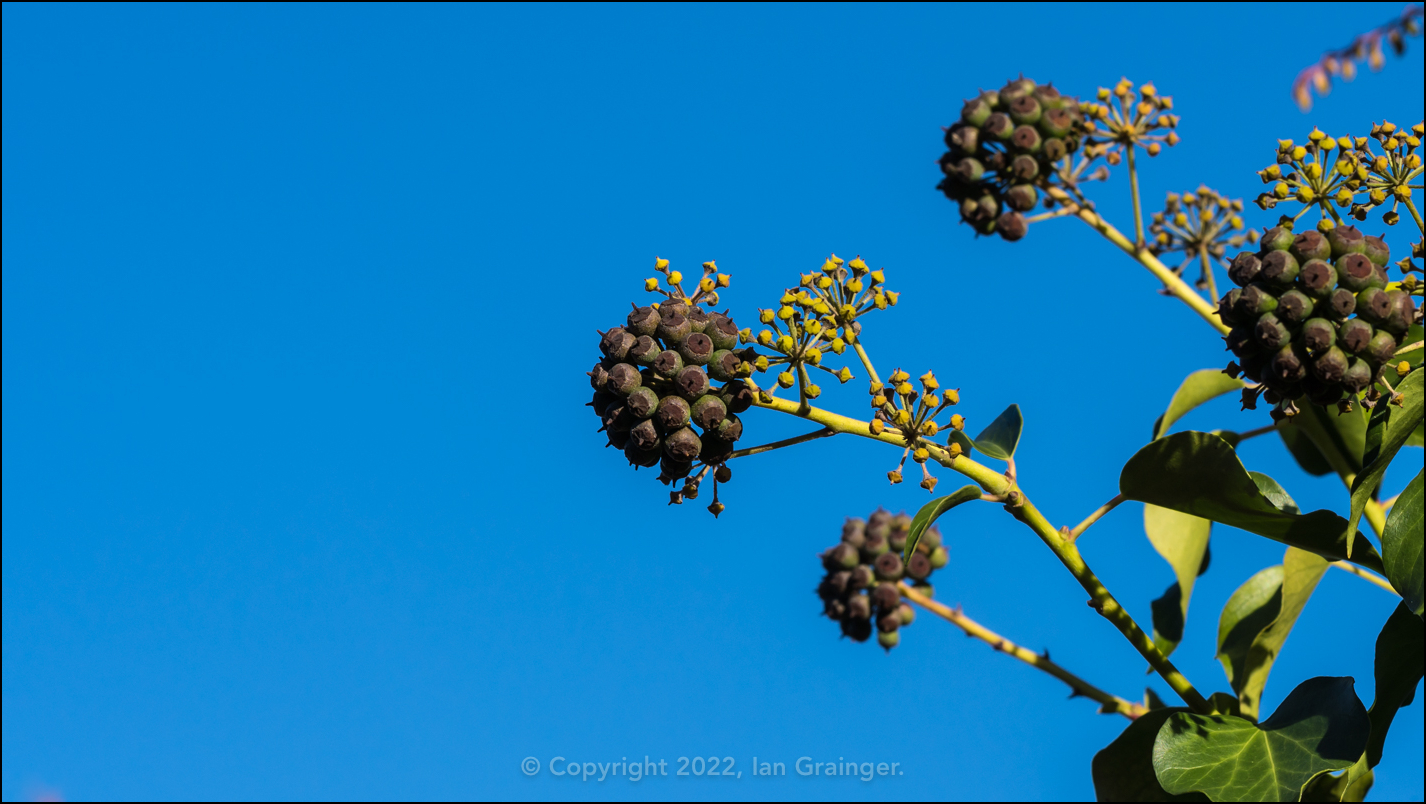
x: 900, y: 408
x: 1357, y: 174
x: 1124, y: 118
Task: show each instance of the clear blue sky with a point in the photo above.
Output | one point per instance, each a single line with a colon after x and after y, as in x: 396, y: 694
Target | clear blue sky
x: 299, y: 496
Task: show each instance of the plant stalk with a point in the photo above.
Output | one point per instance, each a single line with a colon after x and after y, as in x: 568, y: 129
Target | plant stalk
x: 1111, y: 703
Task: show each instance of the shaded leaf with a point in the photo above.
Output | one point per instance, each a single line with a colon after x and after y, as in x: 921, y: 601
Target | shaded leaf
x: 1386, y: 434
x: 958, y: 437
x: 1401, y: 545
x: 929, y: 513
x: 1199, y: 474
x: 1197, y: 388
x: 1182, y: 539
x: 1400, y: 648
x: 1301, y: 571
x: 1124, y: 769
x: 1339, y: 438
x: 1321, y: 726
x: 1351, y: 784
x: 1002, y: 436
x: 1274, y: 493
x: 1250, y: 609
x: 1308, y: 456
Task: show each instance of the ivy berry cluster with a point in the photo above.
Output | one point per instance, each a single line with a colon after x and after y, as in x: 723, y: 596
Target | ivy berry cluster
x: 860, y: 590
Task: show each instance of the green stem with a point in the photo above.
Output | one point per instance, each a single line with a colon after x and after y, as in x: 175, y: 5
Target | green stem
x: 786, y: 442
x: 1134, y: 191
x: 1415, y: 214
x: 1111, y: 703
x: 866, y: 361
x: 1208, y: 273
x: 1021, y: 508
x: 1175, y: 285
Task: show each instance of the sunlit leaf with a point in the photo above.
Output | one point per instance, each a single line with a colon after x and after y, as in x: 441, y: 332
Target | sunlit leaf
x: 930, y: 511
x: 1000, y: 438
x: 1197, y: 388
x: 1401, y: 545
x: 1386, y: 434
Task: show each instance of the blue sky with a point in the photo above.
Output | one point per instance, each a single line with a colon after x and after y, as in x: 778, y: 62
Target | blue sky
x: 300, y: 496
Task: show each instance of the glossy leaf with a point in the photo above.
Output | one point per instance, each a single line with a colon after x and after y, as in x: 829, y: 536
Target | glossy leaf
x: 1386, y: 434
x: 1321, y: 726
x: 1308, y: 456
x: 929, y: 513
x: 1274, y: 493
x: 958, y: 437
x: 1199, y: 474
x: 1401, y: 545
x: 1124, y: 769
x: 1301, y: 571
x: 1002, y: 436
x: 1197, y: 388
x: 1182, y: 539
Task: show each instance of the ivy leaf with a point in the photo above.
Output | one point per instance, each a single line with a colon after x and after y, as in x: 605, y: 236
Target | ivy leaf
x: 1321, y: 726
x: 1182, y: 539
x: 1400, y: 648
x: 929, y: 513
x: 1401, y: 545
x: 1332, y: 438
x: 958, y: 437
x: 1274, y: 493
x: 1250, y: 609
x: 1386, y: 433
x: 1197, y: 388
x: 1124, y: 769
x: 1002, y: 436
x: 1301, y: 571
x: 1199, y: 474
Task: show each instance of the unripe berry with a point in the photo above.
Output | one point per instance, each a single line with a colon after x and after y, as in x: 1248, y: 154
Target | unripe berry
x: 731, y: 428
x: 841, y: 557
x: 722, y: 331
x: 737, y: 396
x: 1279, y: 268
x: 672, y: 414
x: 1025, y: 110
x: 859, y: 607
x: 1317, y: 278
x: 1022, y: 197
x: 616, y: 343
x: 673, y: 470
x: 887, y: 622
x: 708, y: 411
x: 1255, y: 300
x: 886, y: 597
x: 1057, y: 122
x: 643, y: 321
x: 1270, y: 332
x: 906, y: 613
x: 723, y: 474
x: 1322, y: 393
x: 1226, y: 307
x: 1354, y: 335
x: 645, y: 436
x: 697, y: 318
x: 1026, y: 139
x: 1024, y: 168
x: 857, y: 630
x: 1346, y: 240
x: 673, y: 327
x: 1330, y: 366
x: 691, y: 383
x: 1011, y: 226
x: 918, y: 566
x: 1318, y: 334
x: 641, y: 457
x: 1277, y: 238
x: 1245, y: 268
x: 1311, y: 245
x: 888, y: 639
x: 1294, y: 307
x: 939, y: 557
x: 598, y: 376
x: 623, y: 378
x: 1288, y: 365
x: 1241, y: 342
x: 862, y: 577
x: 998, y: 127
x: 1341, y: 303
x: 724, y: 365
x: 873, y: 546
x: 1403, y: 310
x: 1358, y: 376
x: 668, y: 364
x: 835, y: 584
x: 1374, y: 304
x: 834, y: 609
x: 1355, y: 272
x: 1376, y: 250
x: 888, y: 566
x: 1055, y: 148
x: 642, y: 402
x: 975, y: 112
x: 854, y: 532
x: 967, y: 169
x: 1382, y: 347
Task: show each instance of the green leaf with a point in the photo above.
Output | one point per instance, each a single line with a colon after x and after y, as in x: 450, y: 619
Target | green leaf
x: 1197, y: 388
x: 1339, y: 438
x: 1182, y: 540
x: 1321, y: 726
x: 1003, y: 435
x: 1400, y: 648
x: 1308, y: 456
x: 1351, y: 784
x: 930, y: 511
x: 1257, y: 619
x: 1199, y: 474
x: 1386, y: 433
x: 1401, y: 545
x: 1250, y: 609
x: 1124, y: 769
x: 958, y: 437
x: 1274, y: 493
